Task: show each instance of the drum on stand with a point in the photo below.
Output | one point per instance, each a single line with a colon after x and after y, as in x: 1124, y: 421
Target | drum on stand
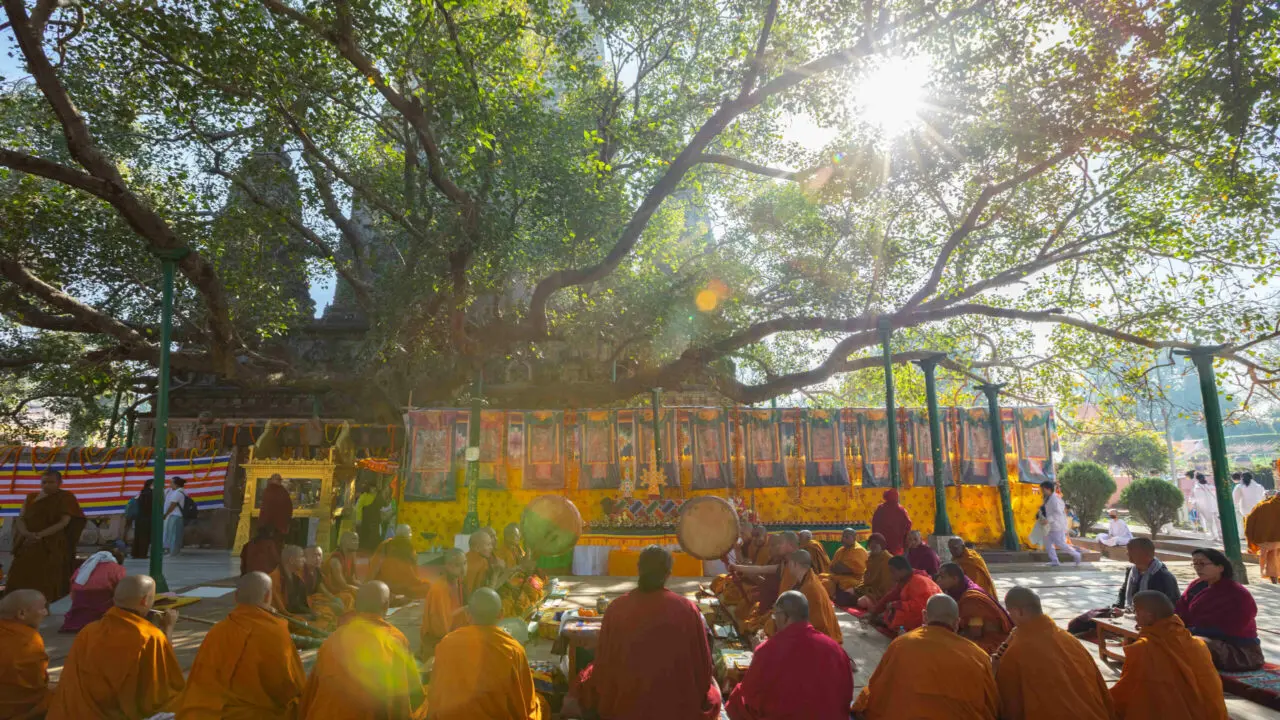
x: 551, y: 525
x: 707, y: 528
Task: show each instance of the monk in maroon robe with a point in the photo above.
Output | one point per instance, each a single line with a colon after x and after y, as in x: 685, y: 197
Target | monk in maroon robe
x: 892, y: 521
x: 277, y: 508
x: 261, y: 554
x: 45, y: 537
x: 652, y: 660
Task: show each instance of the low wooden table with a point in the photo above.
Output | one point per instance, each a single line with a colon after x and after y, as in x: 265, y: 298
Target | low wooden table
x: 1123, y: 628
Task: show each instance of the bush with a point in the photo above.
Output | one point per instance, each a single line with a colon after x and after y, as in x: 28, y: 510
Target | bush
x: 1087, y: 486
x: 1153, y: 501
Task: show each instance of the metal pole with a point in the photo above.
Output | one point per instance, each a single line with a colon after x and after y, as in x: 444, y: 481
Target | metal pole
x: 941, y: 521
x: 891, y: 411
x: 1203, y: 359
x: 471, y: 522
x: 168, y: 261
x: 657, y: 436
x: 992, y: 391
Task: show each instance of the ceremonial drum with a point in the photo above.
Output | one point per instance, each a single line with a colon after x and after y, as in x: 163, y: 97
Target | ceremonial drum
x: 551, y: 525
x: 708, y: 527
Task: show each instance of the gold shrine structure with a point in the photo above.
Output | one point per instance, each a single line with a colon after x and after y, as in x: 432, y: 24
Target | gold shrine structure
x: 320, y: 489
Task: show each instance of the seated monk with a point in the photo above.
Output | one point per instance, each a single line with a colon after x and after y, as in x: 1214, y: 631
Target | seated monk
x: 1168, y: 674
x: 902, y: 608
x: 1222, y: 613
x: 247, y: 667
x: 931, y: 673
x: 290, y: 594
x: 93, y: 589
x: 520, y: 585
x: 480, y: 562
x: 821, y: 562
x: 975, y: 568
x: 769, y: 579
x: 24, y: 664
x: 920, y: 555
x: 982, y: 620
x: 757, y: 552
x: 848, y: 566
x: 396, y: 563
x: 364, y: 669
x: 803, y: 580
x: 262, y: 553
x: 339, y: 572
x: 652, y: 658
x: 317, y: 591
x: 482, y: 672
x: 731, y: 589
x: 96, y: 680
x: 1044, y: 673
x: 797, y: 673
x: 877, y: 580
x: 443, y: 610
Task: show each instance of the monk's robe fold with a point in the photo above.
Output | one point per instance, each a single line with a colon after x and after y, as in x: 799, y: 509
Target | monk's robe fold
x: 975, y: 568
x: 247, y: 669
x: 982, y: 620
x: 877, y: 580
x: 443, y: 611
x: 930, y: 673
x: 396, y: 564
x: 755, y: 617
x: 731, y: 590
x: 24, y: 672
x: 821, y: 562
x: 482, y: 673
x: 652, y: 661
x: 854, y: 558
x: 1168, y: 675
x: 821, y: 614
x: 364, y: 671
x: 1046, y: 674
x: 478, y: 567
x: 903, y: 607
x: 329, y: 605
x: 120, y: 667
x: 45, y: 564
x: 798, y: 674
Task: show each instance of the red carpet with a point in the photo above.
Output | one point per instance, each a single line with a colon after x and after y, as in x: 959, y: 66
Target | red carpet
x: 861, y: 614
x: 1261, y: 686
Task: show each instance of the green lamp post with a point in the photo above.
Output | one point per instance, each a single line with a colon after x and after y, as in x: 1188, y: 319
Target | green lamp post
x: 929, y: 364
x: 168, y: 264
x: 891, y: 411
x: 471, y: 522
x: 992, y: 391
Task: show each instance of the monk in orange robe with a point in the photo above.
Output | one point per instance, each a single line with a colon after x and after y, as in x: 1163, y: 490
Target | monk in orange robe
x: 480, y: 562
x: 396, y: 563
x: 520, y: 584
x: 982, y: 620
x: 339, y: 572
x: 931, y: 673
x: 902, y: 608
x: 848, y: 567
x: 44, y: 540
x: 1044, y: 672
x: 1262, y: 528
x: 482, y: 672
x: 24, y: 665
x: 821, y: 561
x: 290, y: 593
x: 247, y: 667
x: 757, y: 550
x: 771, y: 580
x: 803, y: 580
x: 121, y: 666
x: 975, y: 568
x: 443, y: 610
x: 1168, y: 673
x: 364, y: 670
x: 318, y: 591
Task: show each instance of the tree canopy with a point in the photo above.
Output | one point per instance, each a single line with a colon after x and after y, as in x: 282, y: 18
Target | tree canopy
x: 613, y: 184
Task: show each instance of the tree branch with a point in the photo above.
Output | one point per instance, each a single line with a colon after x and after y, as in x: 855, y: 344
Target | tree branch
x: 87, y: 316
x: 747, y: 165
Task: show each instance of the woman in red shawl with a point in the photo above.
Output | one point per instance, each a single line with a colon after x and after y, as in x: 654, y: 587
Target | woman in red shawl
x: 892, y: 521
x: 1222, y: 613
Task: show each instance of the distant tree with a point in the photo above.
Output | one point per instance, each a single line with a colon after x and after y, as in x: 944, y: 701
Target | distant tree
x: 1153, y: 501
x: 1087, y: 486
x: 1137, y: 453
x: 1265, y: 477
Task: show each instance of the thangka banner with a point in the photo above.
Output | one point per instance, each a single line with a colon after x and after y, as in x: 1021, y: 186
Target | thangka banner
x: 709, y: 446
x: 600, y: 445
x: 432, y: 435
x: 492, y: 455
x: 975, y: 448
x: 105, y: 489
x: 763, y: 439
x: 873, y: 437
x: 644, y: 432
x: 544, y: 450
x: 922, y: 450
x: 824, y: 454
x: 1035, y: 443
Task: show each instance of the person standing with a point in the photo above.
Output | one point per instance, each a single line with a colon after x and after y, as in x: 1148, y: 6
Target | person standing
x: 45, y: 536
x: 277, y: 509
x: 142, y: 505
x: 1205, y: 500
x: 175, y: 498
x: 1262, y: 530
x: 1054, y: 513
x: 1245, y: 497
x: 892, y: 522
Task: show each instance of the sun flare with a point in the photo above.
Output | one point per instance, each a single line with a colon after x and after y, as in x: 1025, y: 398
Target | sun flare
x: 891, y: 95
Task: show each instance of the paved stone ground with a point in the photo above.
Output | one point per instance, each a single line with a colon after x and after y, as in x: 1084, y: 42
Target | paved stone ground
x: 1066, y: 591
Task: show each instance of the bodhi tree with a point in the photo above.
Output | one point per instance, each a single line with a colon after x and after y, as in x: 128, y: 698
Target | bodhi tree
x: 499, y: 184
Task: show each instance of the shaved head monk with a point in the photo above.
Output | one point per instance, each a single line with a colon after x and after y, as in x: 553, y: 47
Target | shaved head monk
x: 652, y: 659
x: 364, y: 670
x: 24, y: 665
x: 1168, y: 674
x: 247, y: 667
x: 902, y: 608
x: 481, y: 671
x: 975, y: 568
x: 802, y: 579
x: 848, y: 566
x: 339, y: 571
x: 821, y: 561
x: 443, y: 610
x: 982, y: 620
x: 931, y: 673
x: 395, y: 563
x: 480, y: 562
x: 121, y: 666
x: 797, y: 673
x: 1044, y: 671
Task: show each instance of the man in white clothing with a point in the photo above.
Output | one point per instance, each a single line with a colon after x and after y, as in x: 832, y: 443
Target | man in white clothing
x: 1205, y: 498
x: 1118, y: 532
x: 1246, y: 495
x: 1054, y: 512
